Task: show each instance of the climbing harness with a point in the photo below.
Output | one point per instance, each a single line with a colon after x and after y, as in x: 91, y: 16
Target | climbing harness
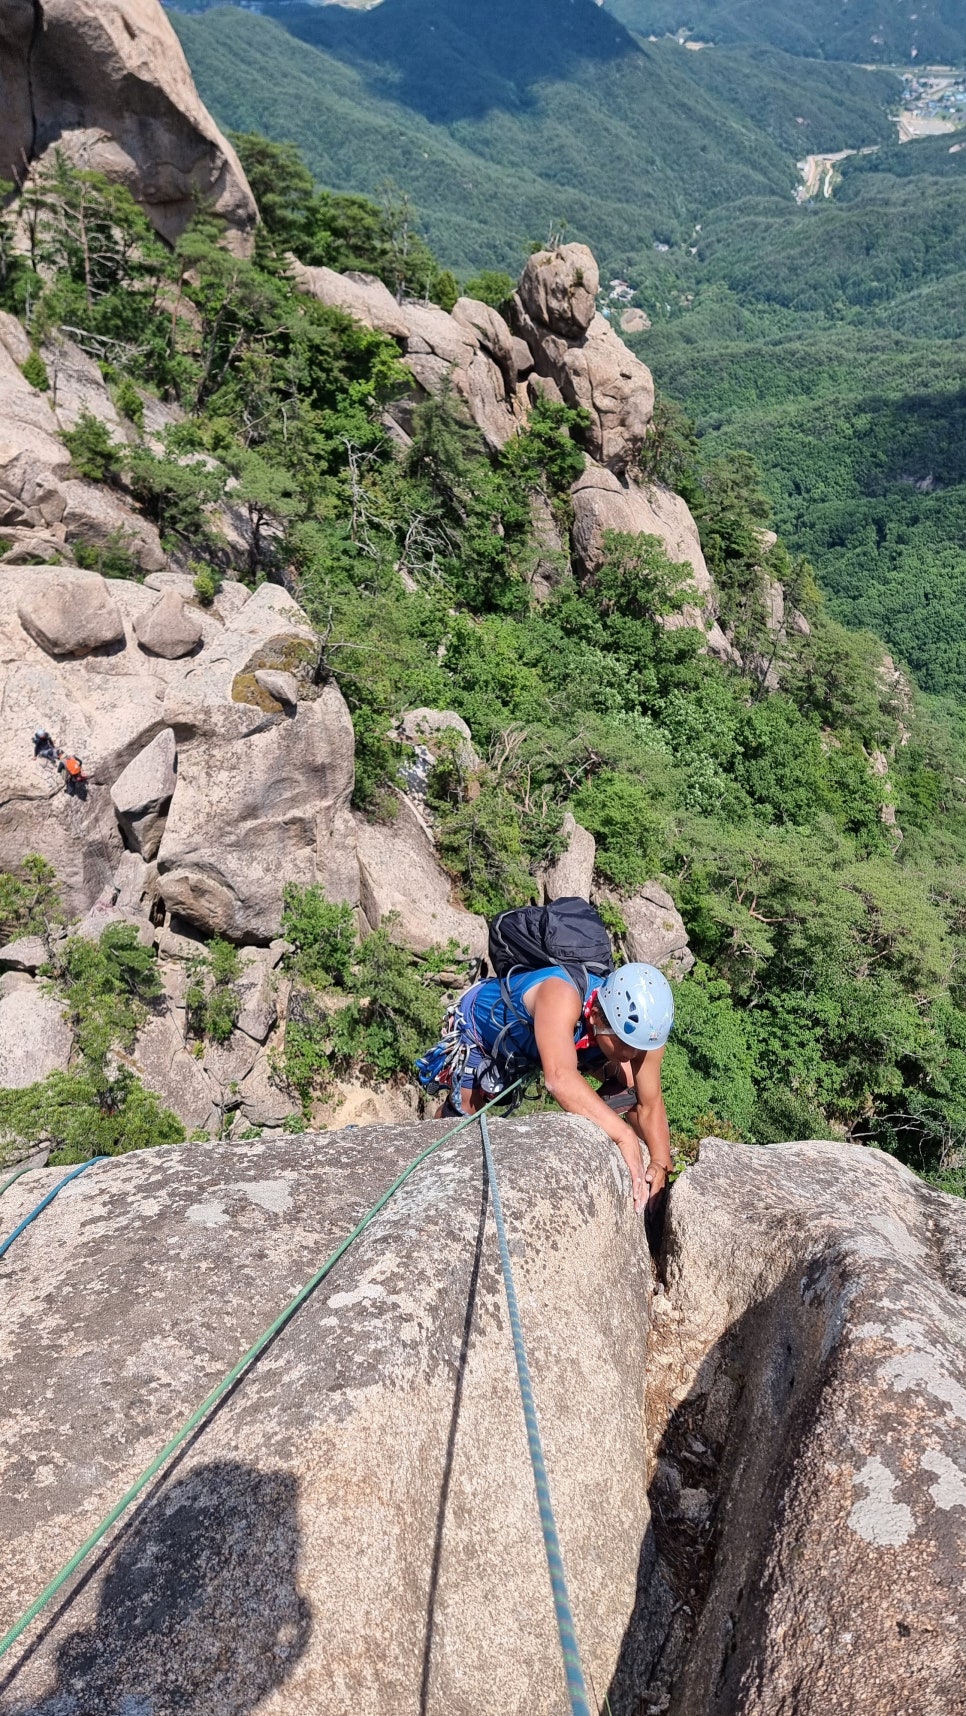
x: 18, y: 1230
x: 576, y: 1687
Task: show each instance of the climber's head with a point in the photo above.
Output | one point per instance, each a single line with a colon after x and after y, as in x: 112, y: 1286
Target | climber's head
x: 637, y: 1007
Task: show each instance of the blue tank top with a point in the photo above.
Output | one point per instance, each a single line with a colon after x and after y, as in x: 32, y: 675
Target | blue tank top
x: 493, y: 1022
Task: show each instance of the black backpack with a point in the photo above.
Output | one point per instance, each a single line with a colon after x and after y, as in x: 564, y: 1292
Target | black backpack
x: 567, y: 932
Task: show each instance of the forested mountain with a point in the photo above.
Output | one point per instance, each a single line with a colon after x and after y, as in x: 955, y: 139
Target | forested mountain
x: 502, y: 125
x: 886, y: 31
x: 830, y: 342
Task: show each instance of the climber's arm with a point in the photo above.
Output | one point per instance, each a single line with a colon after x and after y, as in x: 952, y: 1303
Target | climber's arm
x: 556, y: 1010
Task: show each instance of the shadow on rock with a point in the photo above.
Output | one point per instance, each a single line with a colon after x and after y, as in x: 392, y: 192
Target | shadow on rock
x: 199, y: 1610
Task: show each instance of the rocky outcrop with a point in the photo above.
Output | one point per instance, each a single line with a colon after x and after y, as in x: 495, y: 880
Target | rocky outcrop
x: 359, y: 1519
x: 603, y: 502
x: 555, y: 313
x: 806, y: 1398
x: 143, y: 791
x: 261, y: 793
x: 107, y: 83
x: 400, y: 876
x: 471, y: 350
x: 655, y: 932
x: 572, y: 874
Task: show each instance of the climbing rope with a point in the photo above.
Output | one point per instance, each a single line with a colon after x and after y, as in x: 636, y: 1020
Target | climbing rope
x: 18, y: 1175
x: 226, y: 1383
x: 576, y: 1686
x: 7, y: 1243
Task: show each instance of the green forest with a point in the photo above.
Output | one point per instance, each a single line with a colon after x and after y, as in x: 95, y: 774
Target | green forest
x: 885, y: 31
x: 827, y: 998
x: 623, y: 143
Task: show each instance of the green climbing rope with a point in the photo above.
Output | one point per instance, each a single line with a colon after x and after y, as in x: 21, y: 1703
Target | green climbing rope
x: 20, y: 1172
x: 227, y: 1382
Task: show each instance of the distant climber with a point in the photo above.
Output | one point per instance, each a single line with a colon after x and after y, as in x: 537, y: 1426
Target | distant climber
x: 72, y: 770
x: 71, y: 767
x: 549, y: 1009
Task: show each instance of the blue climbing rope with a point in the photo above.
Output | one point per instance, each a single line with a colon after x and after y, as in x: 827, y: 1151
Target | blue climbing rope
x: 7, y: 1243
x: 576, y: 1686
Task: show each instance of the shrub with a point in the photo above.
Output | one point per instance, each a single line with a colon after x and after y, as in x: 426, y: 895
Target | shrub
x: 129, y: 403
x: 212, y: 1000
x: 109, y: 987
x: 30, y: 902
x: 93, y: 453
x: 112, y: 558
x: 617, y: 810
x: 207, y: 583
x: 35, y: 371
x: 82, y: 1115
x: 323, y: 937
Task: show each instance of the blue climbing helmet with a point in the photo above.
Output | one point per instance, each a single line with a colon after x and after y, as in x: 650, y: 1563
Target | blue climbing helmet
x: 637, y: 1003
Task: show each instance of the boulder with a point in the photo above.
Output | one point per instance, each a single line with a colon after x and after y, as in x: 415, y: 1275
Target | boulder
x: 27, y: 953
x: 169, y: 627
x: 400, y: 874
x: 358, y: 1521
x: 143, y: 792
x: 655, y: 930
x: 255, y: 808
x: 35, y: 1038
x: 635, y: 321
x: 106, y: 82
x: 807, y: 1394
x: 69, y: 613
x: 419, y: 724
x: 558, y: 288
x: 282, y: 686
x: 572, y: 875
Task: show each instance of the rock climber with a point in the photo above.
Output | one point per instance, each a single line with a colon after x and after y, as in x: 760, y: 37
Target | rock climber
x: 44, y: 745
x: 616, y: 1029
x: 72, y: 770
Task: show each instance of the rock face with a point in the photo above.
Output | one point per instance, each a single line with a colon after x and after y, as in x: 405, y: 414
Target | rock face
x: 255, y: 807
x: 359, y: 1520
x: 260, y: 797
x: 807, y: 1400
x: 400, y: 874
x: 764, y: 1511
x: 34, y: 1039
x: 107, y: 82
